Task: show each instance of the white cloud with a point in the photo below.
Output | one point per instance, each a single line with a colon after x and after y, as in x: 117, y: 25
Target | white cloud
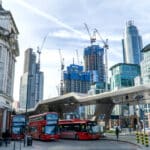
x: 64, y: 21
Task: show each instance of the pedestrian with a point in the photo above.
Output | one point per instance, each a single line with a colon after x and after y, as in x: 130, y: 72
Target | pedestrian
x: 117, y: 132
x: 6, y: 136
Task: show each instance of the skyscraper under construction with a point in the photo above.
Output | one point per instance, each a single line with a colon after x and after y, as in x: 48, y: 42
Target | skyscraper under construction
x: 94, y: 63
x: 76, y: 80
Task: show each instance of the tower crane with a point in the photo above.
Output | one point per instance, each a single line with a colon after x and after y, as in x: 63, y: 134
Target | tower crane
x: 77, y: 56
x: 62, y: 69
x: 92, y: 37
x: 106, y: 47
x: 39, y: 49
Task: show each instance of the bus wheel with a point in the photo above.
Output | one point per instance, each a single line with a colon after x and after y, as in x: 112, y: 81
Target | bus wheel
x: 77, y: 137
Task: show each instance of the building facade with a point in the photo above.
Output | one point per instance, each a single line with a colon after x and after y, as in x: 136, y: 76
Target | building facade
x: 76, y: 80
x: 9, y: 50
x: 145, y: 65
x: 132, y: 44
x: 31, y: 84
x: 145, y: 75
x: 94, y: 63
x: 123, y: 75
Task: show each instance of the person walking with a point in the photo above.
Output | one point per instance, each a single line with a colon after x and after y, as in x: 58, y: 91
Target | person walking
x: 6, y: 136
x: 117, y: 132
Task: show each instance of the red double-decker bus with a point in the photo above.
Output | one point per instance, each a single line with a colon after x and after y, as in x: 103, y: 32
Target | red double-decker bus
x: 18, y: 126
x: 44, y: 126
x: 79, y: 129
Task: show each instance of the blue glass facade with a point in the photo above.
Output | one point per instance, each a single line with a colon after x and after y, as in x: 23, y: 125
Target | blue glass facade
x: 32, y: 80
x: 76, y: 80
x: 132, y: 44
x: 123, y: 75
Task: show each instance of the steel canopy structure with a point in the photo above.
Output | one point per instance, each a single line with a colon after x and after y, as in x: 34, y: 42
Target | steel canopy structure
x: 104, y: 102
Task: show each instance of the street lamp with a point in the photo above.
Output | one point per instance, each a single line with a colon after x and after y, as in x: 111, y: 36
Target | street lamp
x: 129, y: 117
x: 139, y: 99
x: 29, y: 81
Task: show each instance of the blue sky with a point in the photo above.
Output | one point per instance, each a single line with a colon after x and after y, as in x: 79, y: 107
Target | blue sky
x: 63, y: 21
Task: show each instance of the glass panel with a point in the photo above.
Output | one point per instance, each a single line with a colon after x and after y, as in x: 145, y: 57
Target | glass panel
x: 16, y: 130
x: 19, y: 118
x: 50, y: 129
x: 51, y: 117
x: 92, y: 127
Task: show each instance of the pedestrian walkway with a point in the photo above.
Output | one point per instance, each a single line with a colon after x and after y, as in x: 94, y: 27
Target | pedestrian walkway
x: 16, y: 145
x: 130, y: 138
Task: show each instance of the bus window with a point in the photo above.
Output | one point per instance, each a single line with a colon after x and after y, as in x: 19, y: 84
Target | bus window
x: 43, y: 129
x: 16, y: 130
x: 33, y: 129
x: 76, y: 127
x: 50, y: 130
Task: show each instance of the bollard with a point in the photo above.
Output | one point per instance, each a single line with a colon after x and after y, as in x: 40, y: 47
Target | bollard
x: 14, y: 146
x: 137, y: 137
x: 20, y: 143
x: 146, y: 140
x: 142, y: 138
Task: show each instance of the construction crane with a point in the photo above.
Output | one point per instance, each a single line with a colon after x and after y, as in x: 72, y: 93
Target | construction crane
x: 39, y: 49
x: 62, y: 69
x: 106, y: 47
x: 77, y: 56
x: 92, y: 37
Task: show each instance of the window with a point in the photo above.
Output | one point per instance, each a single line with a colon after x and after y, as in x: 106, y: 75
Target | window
x: 33, y: 129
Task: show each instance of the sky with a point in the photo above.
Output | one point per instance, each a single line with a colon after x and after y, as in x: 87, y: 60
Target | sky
x: 62, y: 23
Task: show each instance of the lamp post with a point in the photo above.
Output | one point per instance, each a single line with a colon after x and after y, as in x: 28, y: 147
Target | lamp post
x: 27, y: 101
x: 129, y: 117
x: 139, y: 99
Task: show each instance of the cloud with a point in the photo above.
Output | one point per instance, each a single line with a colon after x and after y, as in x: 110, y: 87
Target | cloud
x: 48, y: 16
x: 63, y: 20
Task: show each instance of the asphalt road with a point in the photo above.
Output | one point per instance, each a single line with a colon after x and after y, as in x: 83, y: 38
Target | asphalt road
x: 73, y: 145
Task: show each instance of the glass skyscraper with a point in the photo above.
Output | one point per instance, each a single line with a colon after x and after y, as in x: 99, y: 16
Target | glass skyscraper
x: 31, y: 85
x: 132, y: 44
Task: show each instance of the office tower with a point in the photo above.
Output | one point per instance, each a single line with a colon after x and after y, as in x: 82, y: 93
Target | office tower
x: 94, y: 63
x: 9, y: 50
x: 145, y: 75
x: 145, y: 65
x: 132, y: 44
x: 123, y: 75
x: 31, y: 85
x: 76, y: 80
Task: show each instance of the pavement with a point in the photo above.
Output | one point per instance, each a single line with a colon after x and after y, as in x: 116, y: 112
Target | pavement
x: 128, y: 138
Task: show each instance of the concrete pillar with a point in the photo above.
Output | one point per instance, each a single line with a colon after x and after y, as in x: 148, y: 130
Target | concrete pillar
x: 4, y: 122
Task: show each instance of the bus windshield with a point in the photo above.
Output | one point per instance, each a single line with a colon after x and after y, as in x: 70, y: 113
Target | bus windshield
x: 51, y: 117
x: 16, y: 130
x: 51, y: 129
x: 92, y: 127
